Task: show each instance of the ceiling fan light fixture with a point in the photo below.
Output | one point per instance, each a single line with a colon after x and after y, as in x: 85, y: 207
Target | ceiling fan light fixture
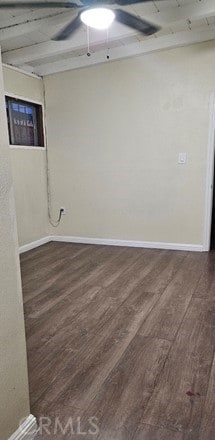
x: 98, y: 18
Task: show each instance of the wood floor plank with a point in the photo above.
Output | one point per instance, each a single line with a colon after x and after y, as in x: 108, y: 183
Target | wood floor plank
x: 80, y: 264
x: 47, y: 260
x: 61, y: 286
x: 32, y: 254
x: 107, y: 342
x: 65, y: 344
x: 147, y: 432
x: 186, y: 371
x: 122, y: 334
x: 166, y: 317
x: 47, y: 267
x: 207, y: 428
x: 206, y: 285
x: 67, y: 278
x: 164, y: 271
x: 73, y: 299
x: 121, y: 399
x: 129, y: 274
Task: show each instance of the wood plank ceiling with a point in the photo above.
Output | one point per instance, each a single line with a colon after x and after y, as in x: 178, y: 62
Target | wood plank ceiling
x: 25, y: 35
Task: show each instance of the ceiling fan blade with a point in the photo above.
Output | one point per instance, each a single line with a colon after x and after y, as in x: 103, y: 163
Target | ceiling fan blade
x: 112, y: 2
x: 135, y: 22
x: 130, y: 2
x: 68, y: 30
x: 68, y: 4
x: 35, y: 4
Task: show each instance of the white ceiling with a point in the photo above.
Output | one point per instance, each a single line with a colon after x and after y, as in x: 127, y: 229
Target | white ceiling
x: 25, y: 35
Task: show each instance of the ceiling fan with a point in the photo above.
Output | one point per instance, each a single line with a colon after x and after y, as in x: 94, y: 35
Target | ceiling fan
x: 94, y: 13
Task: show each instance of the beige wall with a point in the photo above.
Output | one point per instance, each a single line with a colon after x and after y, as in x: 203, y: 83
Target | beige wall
x: 28, y: 166
x: 25, y: 86
x: 114, y: 134
x: 14, y: 400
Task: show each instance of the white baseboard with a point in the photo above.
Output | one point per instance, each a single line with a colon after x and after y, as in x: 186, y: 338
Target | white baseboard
x: 113, y: 242
x: 27, y: 430
x: 130, y: 243
x: 34, y: 244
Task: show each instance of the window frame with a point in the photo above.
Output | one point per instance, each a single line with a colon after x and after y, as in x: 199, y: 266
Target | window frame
x: 29, y: 101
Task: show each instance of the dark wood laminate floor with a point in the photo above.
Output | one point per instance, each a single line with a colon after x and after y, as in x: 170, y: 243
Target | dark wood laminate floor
x: 121, y: 339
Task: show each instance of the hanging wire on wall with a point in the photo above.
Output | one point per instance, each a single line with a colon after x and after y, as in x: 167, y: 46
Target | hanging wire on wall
x: 56, y: 222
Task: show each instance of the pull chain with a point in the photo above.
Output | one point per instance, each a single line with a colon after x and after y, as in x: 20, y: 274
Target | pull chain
x: 88, y: 42
x: 107, y: 41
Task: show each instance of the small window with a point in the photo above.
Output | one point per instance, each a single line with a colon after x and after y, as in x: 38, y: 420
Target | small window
x: 25, y: 123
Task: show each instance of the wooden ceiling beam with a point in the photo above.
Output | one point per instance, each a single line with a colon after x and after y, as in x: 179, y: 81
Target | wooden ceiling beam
x: 178, y: 39
x: 166, y: 17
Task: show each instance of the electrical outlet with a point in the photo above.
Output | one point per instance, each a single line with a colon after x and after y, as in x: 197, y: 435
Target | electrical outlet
x: 182, y: 158
x: 63, y: 211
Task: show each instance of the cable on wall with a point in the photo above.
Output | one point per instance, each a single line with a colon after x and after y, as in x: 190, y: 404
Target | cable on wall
x: 54, y: 223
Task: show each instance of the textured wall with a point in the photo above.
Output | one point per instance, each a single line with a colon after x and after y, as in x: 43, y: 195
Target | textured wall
x: 14, y: 399
x: 28, y: 167
x: 114, y: 134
